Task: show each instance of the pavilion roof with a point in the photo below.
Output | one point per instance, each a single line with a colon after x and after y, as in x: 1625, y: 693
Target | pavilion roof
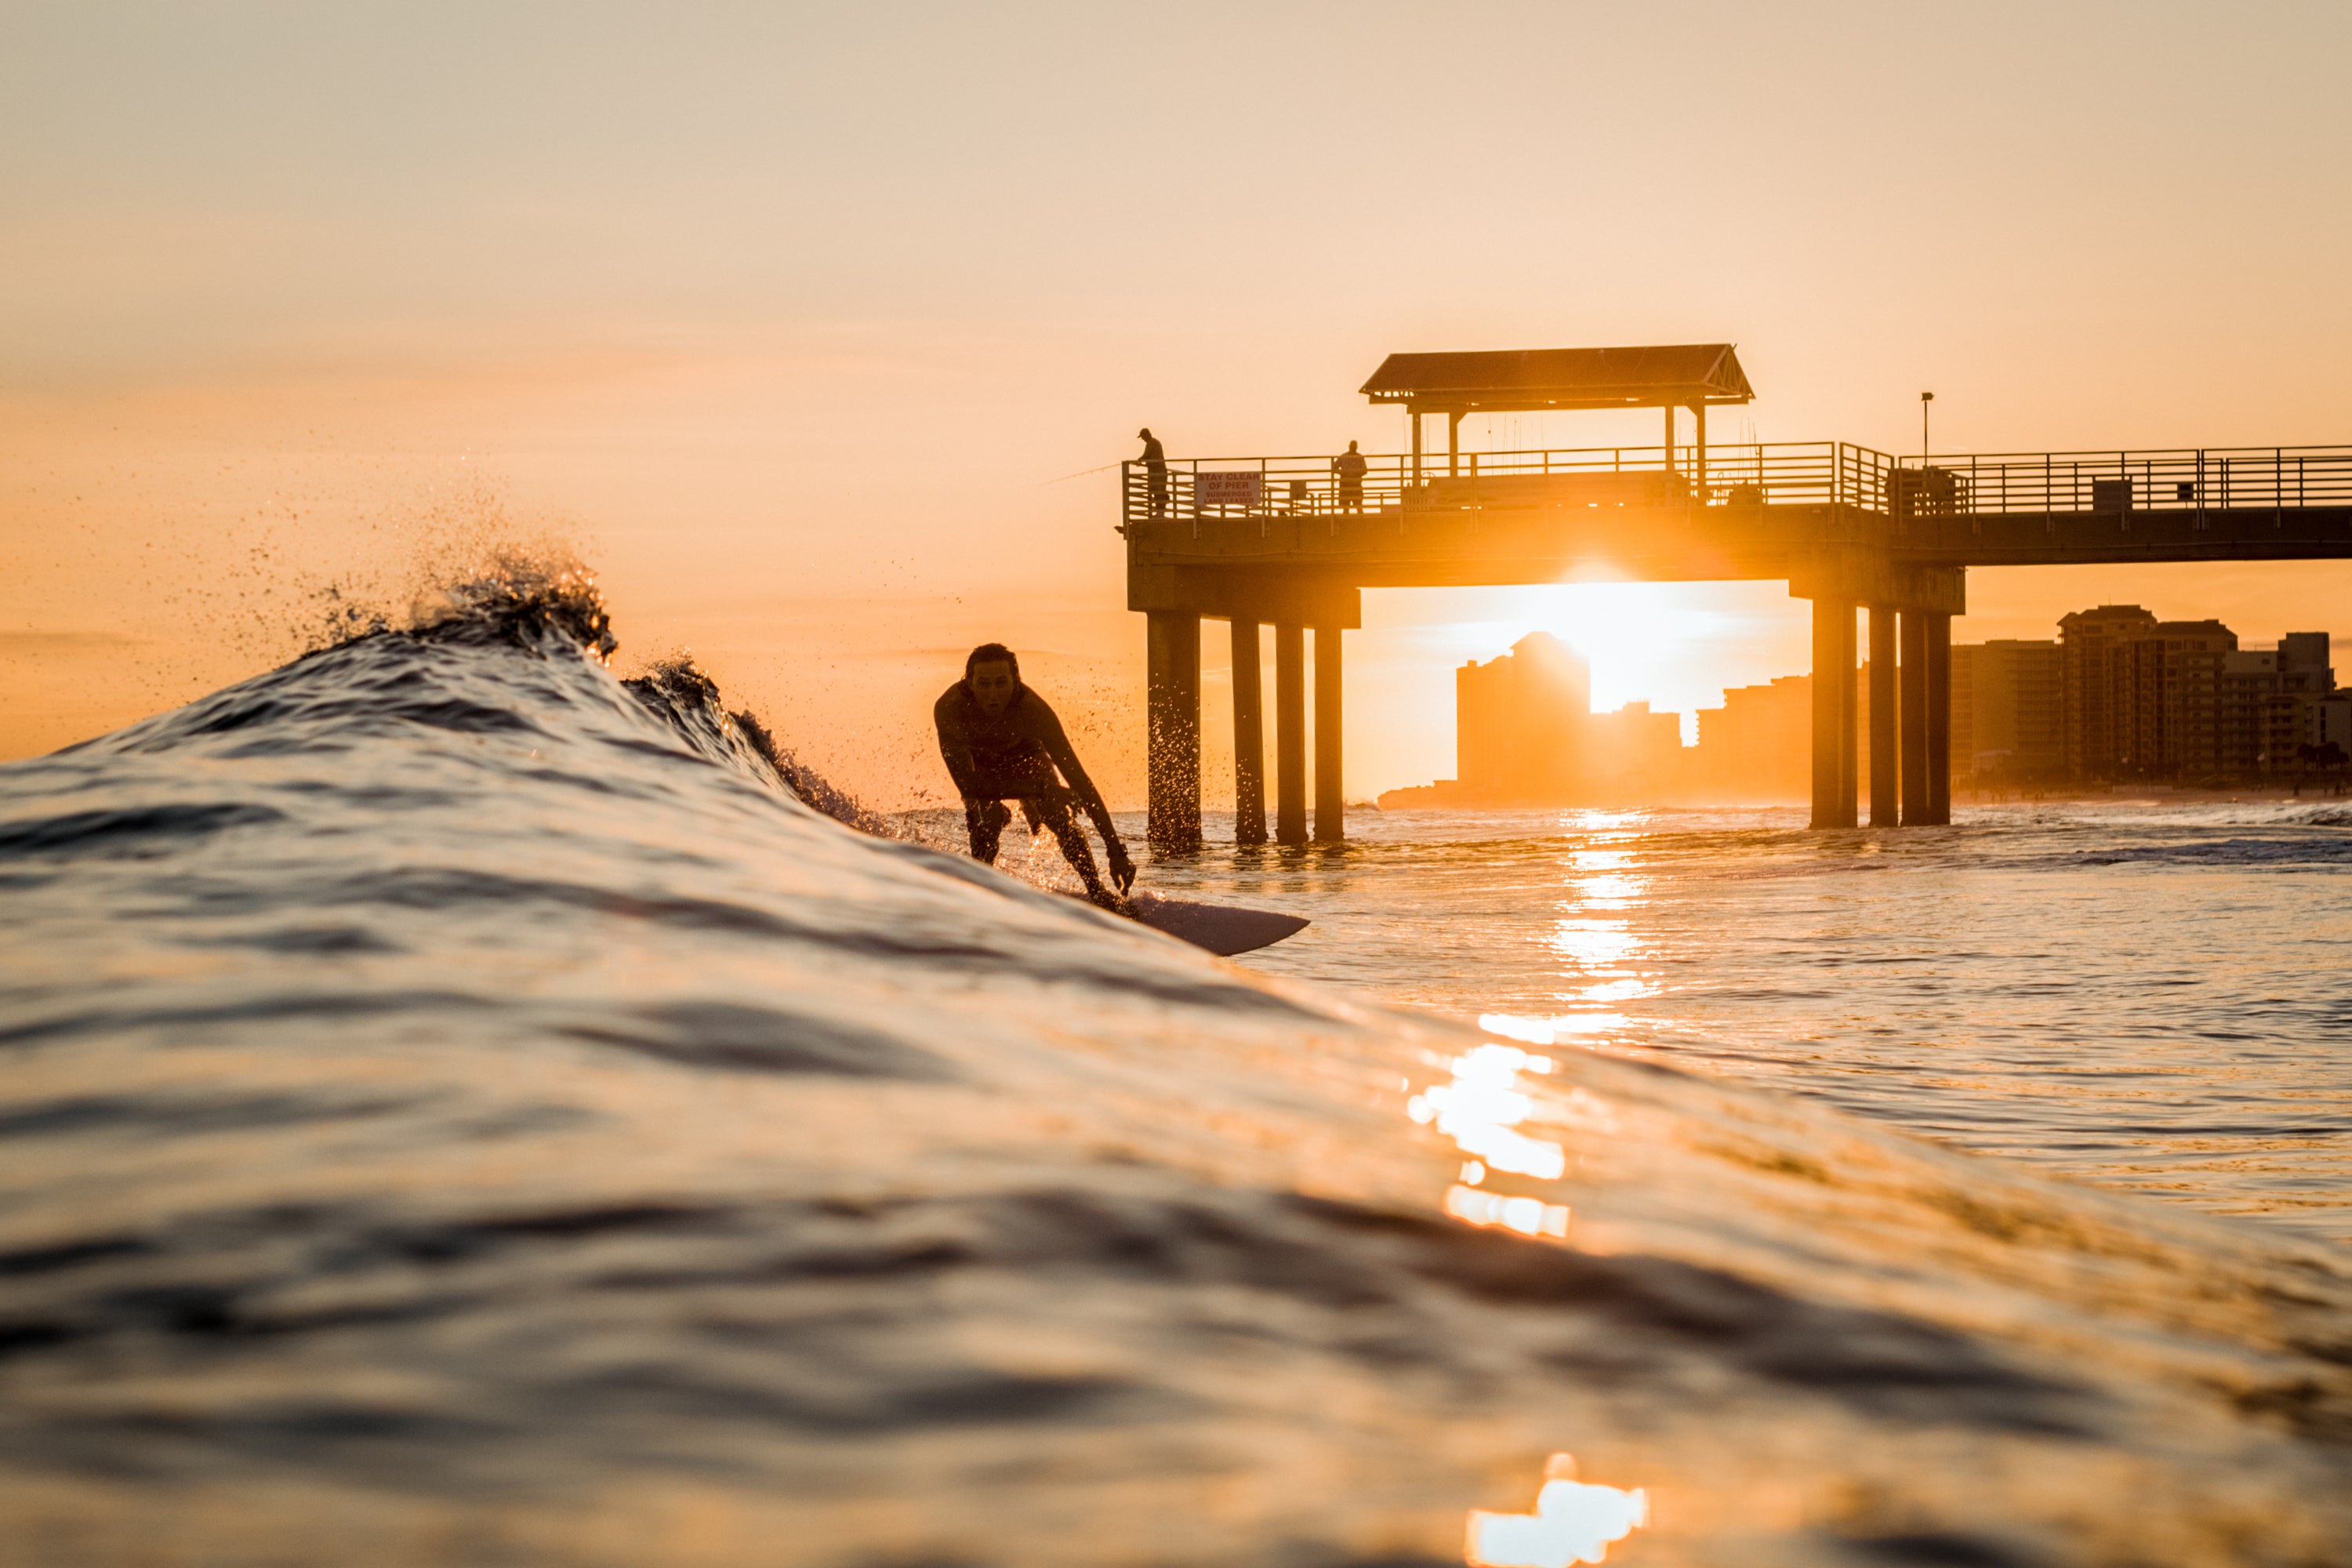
x: 1521, y: 380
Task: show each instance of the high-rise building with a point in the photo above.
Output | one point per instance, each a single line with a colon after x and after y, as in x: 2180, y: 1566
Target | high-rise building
x: 2306, y: 654
x: 1525, y: 734
x: 2120, y: 696
x: 1519, y: 721
x: 2255, y: 718
x: 2270, y: 702
x: 2180, y: 667
x: 1633, y: 757
x: 2008, y: 711
x: 2324, y: 714
x: 2099, y: 689
x: 2141, y: 696
x: 1759, y: 745
x: 2180, y: 699
x: 2328, y: 721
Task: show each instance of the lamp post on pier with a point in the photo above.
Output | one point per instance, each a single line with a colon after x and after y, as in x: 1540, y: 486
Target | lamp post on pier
x: 1924, y: 399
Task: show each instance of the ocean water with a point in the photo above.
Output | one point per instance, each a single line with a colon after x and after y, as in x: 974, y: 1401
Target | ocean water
x: 458, y: 1108
x: 2151, y: 996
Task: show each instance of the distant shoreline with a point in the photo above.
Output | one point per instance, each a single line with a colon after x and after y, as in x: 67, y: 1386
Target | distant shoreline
x: 1430, y: 797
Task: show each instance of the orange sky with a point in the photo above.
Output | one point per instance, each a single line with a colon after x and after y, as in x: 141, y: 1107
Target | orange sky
x: 785, y: 321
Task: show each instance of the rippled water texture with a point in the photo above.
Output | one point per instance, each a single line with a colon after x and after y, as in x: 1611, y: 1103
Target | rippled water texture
x: 456, y: 1109
x: 2156, y: 997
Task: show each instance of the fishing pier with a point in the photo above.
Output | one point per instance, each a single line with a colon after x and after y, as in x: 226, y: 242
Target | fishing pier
x: 1291, y: 542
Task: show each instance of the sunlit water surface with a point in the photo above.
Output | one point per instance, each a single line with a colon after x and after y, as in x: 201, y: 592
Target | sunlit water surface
x: 2147, y: 995
x: 457, y: 1108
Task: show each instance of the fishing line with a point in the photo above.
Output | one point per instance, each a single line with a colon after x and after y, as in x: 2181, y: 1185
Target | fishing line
x: 1082, y: 473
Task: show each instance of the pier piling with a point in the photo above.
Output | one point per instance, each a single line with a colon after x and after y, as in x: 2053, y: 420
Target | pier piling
x: 1938, y: 640
x: 1916, y: 810
x: 1331, y: 824
x: 1173, y: 682
x: 1885, y: 761
x: 1249, y: 736
x: 1835, y: 741
x: 1289, y: 732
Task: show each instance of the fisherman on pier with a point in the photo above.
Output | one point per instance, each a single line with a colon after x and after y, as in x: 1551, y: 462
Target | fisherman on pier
x: 1350, y: 466
x: 1000, y: 743
x: 1155, y: 471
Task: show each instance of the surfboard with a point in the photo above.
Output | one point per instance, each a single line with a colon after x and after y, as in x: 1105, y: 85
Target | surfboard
x: 1222, y: 929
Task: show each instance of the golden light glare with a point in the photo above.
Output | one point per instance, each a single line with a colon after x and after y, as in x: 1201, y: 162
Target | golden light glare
x: 1572, y: 1522
x: 1598, y: 945
x: 1482, y: 1105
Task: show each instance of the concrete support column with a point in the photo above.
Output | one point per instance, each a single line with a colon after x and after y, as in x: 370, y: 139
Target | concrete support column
x: 1330, y: 824
x: 1172, y: 712
x: 1885, y: 761
x: 1698, y: 457
x: 1289, y: 733
x: 1835, y: 742
x: 1939, y: 719
x: 1914, y: 717
x: 1452, y: 445
x: 1249, y: 737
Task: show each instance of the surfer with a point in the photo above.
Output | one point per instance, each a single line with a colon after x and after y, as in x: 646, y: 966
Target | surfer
x: 1000, y: 743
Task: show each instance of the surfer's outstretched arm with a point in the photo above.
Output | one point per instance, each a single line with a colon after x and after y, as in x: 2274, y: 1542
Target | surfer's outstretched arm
x: 955, y: 744
x: 1089, y: 799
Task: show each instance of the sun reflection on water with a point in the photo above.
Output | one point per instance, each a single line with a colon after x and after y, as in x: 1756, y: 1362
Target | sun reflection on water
x: 1610, y: 892
x: 1572, y: 1522
x: 1595, y: 944
x: 1598, y: 950
x: 1534, y: 1031
x: 1481, y: 1109
x: 1482, y: 1106
x: 1486, y: 1107
x: 1529, y: 1216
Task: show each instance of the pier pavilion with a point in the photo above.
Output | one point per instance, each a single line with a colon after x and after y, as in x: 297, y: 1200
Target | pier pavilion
x: 1292, y: 543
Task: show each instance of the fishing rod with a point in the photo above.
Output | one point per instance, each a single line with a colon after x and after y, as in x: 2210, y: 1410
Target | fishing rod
x: 1080, y: 474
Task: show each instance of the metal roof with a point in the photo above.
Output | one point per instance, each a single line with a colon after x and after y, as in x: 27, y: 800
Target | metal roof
x: 1524, y: 379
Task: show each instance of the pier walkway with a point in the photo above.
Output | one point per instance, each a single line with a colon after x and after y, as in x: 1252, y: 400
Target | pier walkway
x: 1292, y: 543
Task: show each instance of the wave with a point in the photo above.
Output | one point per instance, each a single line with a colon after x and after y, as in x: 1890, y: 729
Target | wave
x: 460, y: 1105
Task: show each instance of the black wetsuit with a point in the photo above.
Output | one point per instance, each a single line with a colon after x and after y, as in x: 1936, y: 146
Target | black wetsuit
x: 1013, y: 756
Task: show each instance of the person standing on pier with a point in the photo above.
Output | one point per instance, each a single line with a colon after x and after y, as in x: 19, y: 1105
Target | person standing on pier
x: 1001, y: 741
x: 1155, y: 471
x: 1350, y: 466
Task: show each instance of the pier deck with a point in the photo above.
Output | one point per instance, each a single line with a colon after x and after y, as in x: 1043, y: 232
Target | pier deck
x: 1291, y: 542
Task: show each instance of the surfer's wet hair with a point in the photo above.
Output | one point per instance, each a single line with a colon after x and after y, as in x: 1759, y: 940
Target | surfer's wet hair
x: 992, y: 653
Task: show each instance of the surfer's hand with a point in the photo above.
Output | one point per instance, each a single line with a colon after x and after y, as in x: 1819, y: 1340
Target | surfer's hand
x: 1122, y: 869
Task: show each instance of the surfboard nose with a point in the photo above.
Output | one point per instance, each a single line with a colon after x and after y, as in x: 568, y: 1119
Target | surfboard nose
x: 1222, y: 929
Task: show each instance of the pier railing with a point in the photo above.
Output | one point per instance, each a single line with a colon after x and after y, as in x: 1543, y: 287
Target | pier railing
x: 1742, y: 475
x: 1223, y: 501
x: 2200, y: 481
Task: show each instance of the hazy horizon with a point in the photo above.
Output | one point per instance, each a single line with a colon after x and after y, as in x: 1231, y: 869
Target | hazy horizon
x: 789, y: 323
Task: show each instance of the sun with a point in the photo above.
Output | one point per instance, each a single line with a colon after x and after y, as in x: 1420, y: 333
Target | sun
x: 1675, y: 646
